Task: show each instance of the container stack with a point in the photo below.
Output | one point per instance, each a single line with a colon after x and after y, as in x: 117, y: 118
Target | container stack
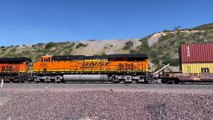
x: 196, y: 58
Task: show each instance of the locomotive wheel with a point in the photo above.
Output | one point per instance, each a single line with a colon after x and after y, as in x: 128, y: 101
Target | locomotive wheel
x: 115, y: 81
x: 57, y: 82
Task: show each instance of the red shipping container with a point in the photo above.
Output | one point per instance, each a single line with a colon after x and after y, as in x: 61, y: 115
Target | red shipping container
x: 196, y: 53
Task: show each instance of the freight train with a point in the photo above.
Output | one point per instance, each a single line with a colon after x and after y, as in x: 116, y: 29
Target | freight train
x: 196, y: 65
x: 112, y: 68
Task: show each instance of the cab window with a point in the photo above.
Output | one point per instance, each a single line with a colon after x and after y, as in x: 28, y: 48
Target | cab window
x: 46, y: 59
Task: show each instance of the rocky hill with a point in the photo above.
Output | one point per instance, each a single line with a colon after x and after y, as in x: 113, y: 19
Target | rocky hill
x: 90, y: 47
x: 161, y: 47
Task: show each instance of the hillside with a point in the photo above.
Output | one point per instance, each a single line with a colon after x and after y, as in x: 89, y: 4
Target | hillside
x: 161, y: 47
x: 90, y: 47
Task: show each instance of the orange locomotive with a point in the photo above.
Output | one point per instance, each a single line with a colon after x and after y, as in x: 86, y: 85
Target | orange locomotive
x: 115, y: 68
x: 14, y: 69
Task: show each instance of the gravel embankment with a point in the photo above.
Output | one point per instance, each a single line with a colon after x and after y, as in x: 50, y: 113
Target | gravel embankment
x: 112, y: 103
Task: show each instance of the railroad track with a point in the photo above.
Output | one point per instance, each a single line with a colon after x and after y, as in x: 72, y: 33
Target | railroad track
x: 106, y: 83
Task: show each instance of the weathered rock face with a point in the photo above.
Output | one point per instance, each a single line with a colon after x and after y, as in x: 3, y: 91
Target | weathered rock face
x: 98, y: 47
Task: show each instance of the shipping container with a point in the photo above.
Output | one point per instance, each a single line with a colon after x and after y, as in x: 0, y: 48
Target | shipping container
x: 196, y: 53
x: 197, y: 68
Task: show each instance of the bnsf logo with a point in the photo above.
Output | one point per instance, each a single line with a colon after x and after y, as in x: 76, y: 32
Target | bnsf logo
x: 94, y: 64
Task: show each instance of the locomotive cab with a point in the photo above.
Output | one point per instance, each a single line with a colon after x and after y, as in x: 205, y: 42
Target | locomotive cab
x: 42, y: 64
x: 46, y: 59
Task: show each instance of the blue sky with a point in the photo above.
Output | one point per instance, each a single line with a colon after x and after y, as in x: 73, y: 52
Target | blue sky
x: 42, y: 21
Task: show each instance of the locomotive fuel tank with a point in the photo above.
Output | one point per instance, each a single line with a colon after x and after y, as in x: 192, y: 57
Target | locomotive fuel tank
x: 93, y: 77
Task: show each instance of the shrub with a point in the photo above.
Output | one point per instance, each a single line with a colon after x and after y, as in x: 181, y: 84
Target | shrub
x: 40, y: 44
x: 92, y: 40
x: 49, y: 45
x: 144, y: 46
x: 102, y: 52
x: 13, y: 50
x: 33, y: 46
x: 166, y: 30
x: 172, y: 62
x: 81, y: 45
x: 72, y: 44
x: 132, y: 52
x: 128, y: 45
x: 155, y: 60
x: 4, y: 49
x: 26, y: 52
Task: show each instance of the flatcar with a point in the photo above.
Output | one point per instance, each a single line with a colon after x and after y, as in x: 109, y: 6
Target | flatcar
x: 14, y: 69
x: 196, y: 64
x: 113, y: 68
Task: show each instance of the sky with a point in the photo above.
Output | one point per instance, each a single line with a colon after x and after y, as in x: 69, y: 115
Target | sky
x: 42, y: 21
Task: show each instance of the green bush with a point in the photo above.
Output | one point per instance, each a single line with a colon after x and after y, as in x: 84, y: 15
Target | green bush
x: 166, y: 30
x: 50, y: 45
x: 128, y: 45
x: 40, y: 44
x: 33, y: 46
x: 13, y: 50
x: 132, y: 51
x: 171, y: 61
x: 144, y: 46
x: 155, y: 60
x: 80, y: 45
x: 4, y: 49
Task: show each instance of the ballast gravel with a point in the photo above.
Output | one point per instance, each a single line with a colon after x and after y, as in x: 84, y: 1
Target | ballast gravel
x: 106, y: 104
